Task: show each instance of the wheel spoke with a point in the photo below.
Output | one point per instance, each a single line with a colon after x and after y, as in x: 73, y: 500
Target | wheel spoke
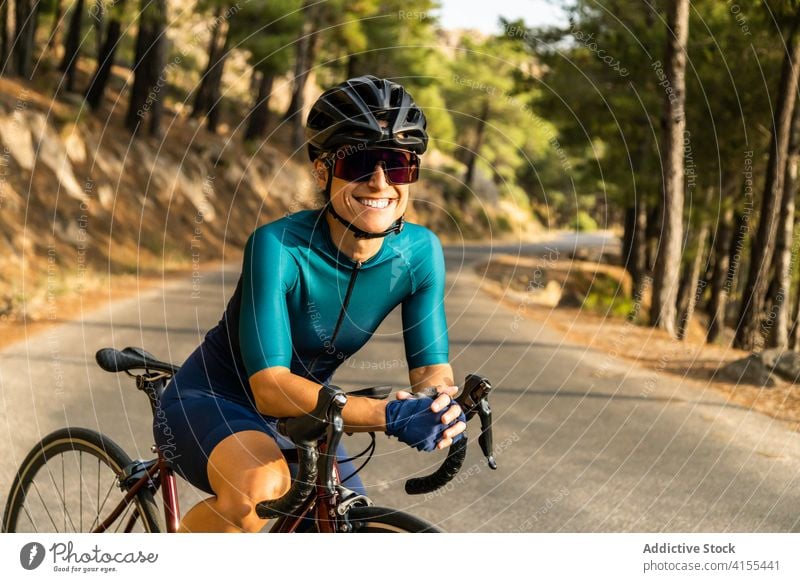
x: 36, y: 487
x: 80, y: 489
x: 98, y: 495
x: 61, y: 499
x: 30, y: 518
x: 121, y: 518
x: 64, y: 492
x: 83, y: 485
x: 100, y: 509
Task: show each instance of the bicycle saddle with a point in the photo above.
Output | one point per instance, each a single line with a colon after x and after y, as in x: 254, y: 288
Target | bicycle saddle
x: 130, y: 358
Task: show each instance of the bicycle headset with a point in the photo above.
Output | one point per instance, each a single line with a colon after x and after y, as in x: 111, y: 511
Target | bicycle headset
x: 350, y: 114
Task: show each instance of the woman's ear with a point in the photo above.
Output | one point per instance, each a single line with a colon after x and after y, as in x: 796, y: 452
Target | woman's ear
x: 320, y: 173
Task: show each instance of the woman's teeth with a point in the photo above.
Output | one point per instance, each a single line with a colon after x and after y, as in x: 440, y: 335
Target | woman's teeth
x: 378, y: 203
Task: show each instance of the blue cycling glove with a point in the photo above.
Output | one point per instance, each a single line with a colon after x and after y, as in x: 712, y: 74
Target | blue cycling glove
x: 415, y: 424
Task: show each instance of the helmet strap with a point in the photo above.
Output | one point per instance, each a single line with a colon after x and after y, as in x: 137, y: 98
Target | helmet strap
x: 363, y: 234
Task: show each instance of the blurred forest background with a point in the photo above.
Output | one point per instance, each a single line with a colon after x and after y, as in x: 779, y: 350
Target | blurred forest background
x: 145, y: 135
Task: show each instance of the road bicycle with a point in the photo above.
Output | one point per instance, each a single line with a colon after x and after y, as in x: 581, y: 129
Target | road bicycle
x: 79, y: 480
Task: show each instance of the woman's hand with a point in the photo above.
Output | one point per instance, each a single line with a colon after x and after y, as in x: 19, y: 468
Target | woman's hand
x: 440, y: 403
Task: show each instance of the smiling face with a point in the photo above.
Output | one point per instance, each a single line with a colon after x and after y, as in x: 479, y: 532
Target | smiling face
x: 372, y: 206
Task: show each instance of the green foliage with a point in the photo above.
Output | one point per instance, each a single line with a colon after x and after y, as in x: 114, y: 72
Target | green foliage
x: 606, y: 297
x: 605, y: 95
x: 501, y: 224
x: 479, y: 93
x: 583, y: 222
x: 394, y: 39
x: 267, y: 30
x: 441, y: 127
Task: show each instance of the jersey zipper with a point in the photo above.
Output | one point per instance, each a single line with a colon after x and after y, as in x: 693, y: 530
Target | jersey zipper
x: 346, y: 301
x: 351, y: 283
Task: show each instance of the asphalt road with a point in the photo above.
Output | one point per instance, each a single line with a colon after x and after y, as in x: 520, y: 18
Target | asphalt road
x: 584, y: 442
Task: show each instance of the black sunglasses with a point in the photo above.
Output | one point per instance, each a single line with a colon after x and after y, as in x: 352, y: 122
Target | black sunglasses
x: 358, y: 165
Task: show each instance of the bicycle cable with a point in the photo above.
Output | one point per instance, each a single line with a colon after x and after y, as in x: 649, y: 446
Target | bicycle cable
x: 370, y: 449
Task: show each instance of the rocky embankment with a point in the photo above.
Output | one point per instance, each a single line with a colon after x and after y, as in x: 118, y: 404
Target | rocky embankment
x: 81, y: 201
x: 765, y: 369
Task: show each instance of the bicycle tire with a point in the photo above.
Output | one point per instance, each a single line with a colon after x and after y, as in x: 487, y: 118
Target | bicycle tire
x: 59, y: 453
x: 384, y: 520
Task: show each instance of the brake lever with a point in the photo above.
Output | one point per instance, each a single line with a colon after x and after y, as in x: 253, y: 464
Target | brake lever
x: 485, y: 438
x: 474, y: 400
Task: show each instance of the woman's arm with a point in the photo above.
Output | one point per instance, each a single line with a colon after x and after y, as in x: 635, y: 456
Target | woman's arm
x: 280, y: 393
x: 439, y: 376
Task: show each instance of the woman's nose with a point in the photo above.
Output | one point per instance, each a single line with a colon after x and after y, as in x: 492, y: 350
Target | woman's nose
x: 378, y: 178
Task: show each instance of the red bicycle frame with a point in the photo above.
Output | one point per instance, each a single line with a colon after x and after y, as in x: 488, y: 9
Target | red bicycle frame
x: 323, y: 503
x: 158, y: 472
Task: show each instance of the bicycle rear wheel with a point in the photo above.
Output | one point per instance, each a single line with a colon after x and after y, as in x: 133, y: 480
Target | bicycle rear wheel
x: 69, y: 482
x: 383, y: 520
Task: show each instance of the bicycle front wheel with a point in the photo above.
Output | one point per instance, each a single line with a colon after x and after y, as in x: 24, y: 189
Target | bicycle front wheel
x: 383, y: 520
x: 69, y: 482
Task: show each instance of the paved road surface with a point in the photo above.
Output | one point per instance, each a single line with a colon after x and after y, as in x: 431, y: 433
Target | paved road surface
x: 585, y: 442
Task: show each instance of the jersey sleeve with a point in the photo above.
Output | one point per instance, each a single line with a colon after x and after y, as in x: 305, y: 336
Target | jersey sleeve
x: 424, y: 321
x: 268, y: 273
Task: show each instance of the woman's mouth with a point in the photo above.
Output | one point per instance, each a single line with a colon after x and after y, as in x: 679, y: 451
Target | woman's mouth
x: 376, y: 203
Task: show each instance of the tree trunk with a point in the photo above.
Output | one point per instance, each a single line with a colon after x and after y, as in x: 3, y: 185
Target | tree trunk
x: 146, y: 99
x: 306, y: 56
x: 652, y: 233
x: 665, y: 284
x: 72, y: 46
x: 259, y: 114
x: 635, y: 243
x: 794, y: 333
x: 202, y: 99
x: 55, y: 32
x: 472, y: 153
x: 691, y: 285
x: 783, y: 263
x: 353, y: 66
x: 640, y: 247
x: 215, y: 87
x: 636, y: 257
x: 628, y: 233
x: 738, y: 258
x: 748, y: 332
x: 719, y: 289
x: 157, y: 61
x: 4, y: 34
x: 97, y: 87
x: 98, y: 20
x: 26, y: 15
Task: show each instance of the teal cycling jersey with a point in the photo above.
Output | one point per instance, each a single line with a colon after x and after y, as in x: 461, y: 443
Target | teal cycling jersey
x: 302, y: 304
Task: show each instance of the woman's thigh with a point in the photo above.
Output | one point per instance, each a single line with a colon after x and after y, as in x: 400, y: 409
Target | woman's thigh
x: 189, y: 430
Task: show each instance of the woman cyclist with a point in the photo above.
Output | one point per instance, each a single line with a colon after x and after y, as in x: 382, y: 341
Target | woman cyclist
x: 314, y: 287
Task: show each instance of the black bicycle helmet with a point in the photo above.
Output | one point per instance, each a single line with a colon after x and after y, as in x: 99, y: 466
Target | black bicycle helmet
x: 349, y: 113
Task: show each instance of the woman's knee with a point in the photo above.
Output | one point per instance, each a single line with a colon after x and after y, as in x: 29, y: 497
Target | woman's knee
x: 237, y: 501
x: 244, y: 469
x: 265, y: 483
